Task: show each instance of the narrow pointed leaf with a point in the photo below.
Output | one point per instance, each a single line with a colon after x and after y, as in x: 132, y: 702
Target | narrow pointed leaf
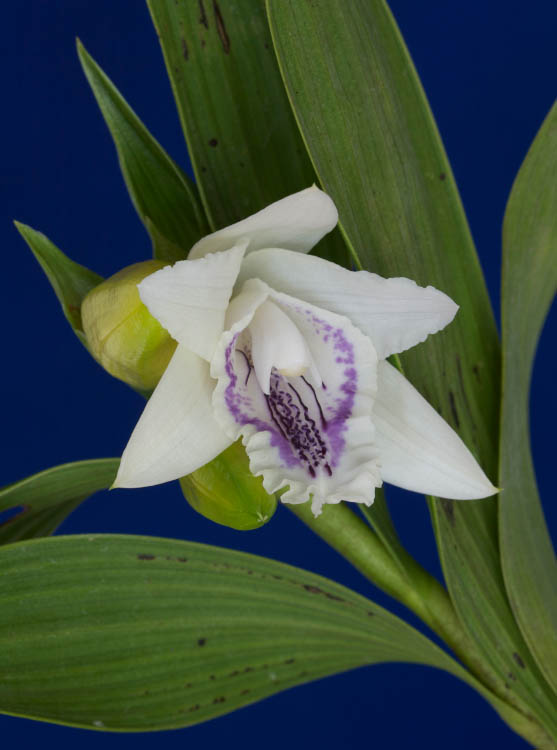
x: 242, y: 138
x: 70, y: 281
x: 159, y: 189
x: 376, y: 150
x: 529, y: 284
x: 135, y: 633
x: 47, y: 498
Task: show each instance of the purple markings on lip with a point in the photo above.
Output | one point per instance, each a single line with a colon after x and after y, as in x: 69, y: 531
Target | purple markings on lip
x: 307, y: 427
x: 242, y: 403
x: 345, y: 402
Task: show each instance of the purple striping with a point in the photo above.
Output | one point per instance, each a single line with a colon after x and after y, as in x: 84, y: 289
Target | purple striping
x: 296, y: 421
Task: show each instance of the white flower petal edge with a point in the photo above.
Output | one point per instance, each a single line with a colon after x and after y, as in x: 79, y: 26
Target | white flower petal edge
x: 296, y: 222
x: 395, y: 313
x: 177, y: 432
x: 315, y: 439
x: 418, y: 450
x: 190, y: 298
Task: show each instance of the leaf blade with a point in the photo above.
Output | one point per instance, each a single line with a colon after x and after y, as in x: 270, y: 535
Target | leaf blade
x: 70, y: 281
x: 160, y: 191
x: 141, y: 646
x: 48, y: 497
x: 242, y: 139
x: 529, y: 285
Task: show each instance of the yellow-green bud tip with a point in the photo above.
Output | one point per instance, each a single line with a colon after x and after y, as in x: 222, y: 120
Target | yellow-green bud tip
x: 121, y: 333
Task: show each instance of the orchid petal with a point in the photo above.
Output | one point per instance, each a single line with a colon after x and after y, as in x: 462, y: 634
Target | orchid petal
x: 395, y: 313
x: 296, y: 222
x: 418, y: 450
x: 177, y: 432
x: 317, y: 441
x: 191, y: 297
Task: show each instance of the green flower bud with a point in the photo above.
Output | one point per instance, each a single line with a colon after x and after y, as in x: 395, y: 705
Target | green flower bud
x: 122, y: 334
x: 225, y: 491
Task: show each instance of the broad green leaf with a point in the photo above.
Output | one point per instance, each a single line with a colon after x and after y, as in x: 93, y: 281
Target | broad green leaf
x: 242, y: 138
x: 70, y: 281
x: 47, y: 498
x: 529, y: 284
x: 161, y: 193
x: 376, y: 150
x: 135, y: 633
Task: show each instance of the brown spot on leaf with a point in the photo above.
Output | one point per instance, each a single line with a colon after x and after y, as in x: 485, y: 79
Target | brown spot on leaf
x: 144, y: 556
x: 245, y: 692
x: 289, y: 661
x: 203, y: 20
x: 317, y: 590
x: 224, y: 38
x: 454, y: 412
x: 447, y: 507
x: 442, y: 176
x: 201, y: 641
x: 185, y: 51
x: 312, y: 589
x: 220, y: 699
x: 511, y: 676
x: 213, y: 142
x: 519, y: 661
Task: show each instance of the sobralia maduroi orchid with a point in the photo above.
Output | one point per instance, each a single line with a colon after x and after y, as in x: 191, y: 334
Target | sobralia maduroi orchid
x: 288, y: 351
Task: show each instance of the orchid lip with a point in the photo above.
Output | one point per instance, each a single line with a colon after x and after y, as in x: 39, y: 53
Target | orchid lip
x: 298, y: 431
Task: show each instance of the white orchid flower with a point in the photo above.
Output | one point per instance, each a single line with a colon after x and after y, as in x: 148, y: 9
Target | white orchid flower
x: 288, y: 351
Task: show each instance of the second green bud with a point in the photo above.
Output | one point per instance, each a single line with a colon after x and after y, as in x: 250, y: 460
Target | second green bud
x: 225, y: 491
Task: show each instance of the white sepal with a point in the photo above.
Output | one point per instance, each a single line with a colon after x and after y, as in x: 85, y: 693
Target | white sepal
x: 296, y: 222
x: 177, y: 432
x: 191, y: 297
x: 395, y: 313
x: 418, y: 450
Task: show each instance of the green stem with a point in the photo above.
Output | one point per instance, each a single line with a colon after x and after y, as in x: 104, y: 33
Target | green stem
x: 421, y: 593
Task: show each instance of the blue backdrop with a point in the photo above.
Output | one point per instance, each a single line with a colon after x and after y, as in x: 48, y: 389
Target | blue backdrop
x: 488, y: 67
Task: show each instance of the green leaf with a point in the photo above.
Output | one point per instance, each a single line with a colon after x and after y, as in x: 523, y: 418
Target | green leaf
x: 242, y: 138
x: 529, y: 284
x: 135, y: 633
x: 47, y: 498
x: 375, y: 147
x: 159, y: 189
x: 70, y: 281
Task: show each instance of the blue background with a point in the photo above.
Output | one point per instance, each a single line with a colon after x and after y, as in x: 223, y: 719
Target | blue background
x: 489, y: 70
